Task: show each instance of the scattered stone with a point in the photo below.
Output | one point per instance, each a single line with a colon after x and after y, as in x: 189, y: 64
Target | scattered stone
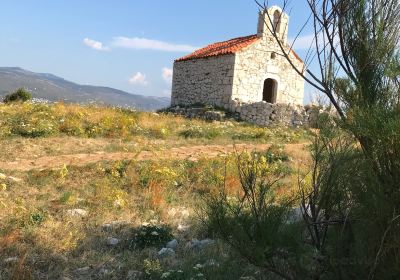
x: 111, y: 241
x: 247, y: 278
x: 165, y: 275
x: 193, y: 244
x: 214, y: 115
x: 11, y: 260
x: 183, y: 228
x: 260, y: 113
x: 211, y: 263
x: 206, y: 242
x: 171, y: 212
x: 134, y: 275
x: 114, y: 224
x: 166, y: 253
x: 193, y: 159
x: 185, y: 214
x: 77, y: 212
x: 173, y: 244
x: 83, y: 270
x: 13, y: 179
x: 196, y: 244
x: 198, y: 266
x: 104, y: 271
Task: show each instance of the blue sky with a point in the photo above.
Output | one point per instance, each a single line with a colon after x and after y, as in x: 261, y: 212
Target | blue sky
x: 125, y: 44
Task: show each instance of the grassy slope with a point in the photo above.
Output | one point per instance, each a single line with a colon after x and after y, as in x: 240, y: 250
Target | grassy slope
x: 35, y: 224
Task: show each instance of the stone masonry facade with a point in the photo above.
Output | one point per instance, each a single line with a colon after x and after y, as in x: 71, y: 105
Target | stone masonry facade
x: 245, y: 75
x: 203, y: 81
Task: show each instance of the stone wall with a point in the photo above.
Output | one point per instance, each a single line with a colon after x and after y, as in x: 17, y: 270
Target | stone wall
x: 260, y: 113
x: 265, y: 114
x: 220, y: 79
x: 263, y: 60
x: 206, y: 81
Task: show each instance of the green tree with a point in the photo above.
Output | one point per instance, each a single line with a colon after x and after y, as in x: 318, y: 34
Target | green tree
x: 350, y: 199
x: 20, y: 95
x: 356, y: 47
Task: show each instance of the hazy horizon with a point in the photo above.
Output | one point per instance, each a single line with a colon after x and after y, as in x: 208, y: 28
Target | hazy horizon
x: 129, y: 46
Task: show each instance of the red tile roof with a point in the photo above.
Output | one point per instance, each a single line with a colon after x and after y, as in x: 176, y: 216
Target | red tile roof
x: 226, y: 47
x: 296, y: 55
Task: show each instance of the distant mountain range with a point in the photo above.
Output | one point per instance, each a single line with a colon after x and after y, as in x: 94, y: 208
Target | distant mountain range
x: 53, y: 88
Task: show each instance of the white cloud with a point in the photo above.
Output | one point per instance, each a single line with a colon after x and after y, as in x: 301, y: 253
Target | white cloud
x: 96, y: 45
x: 149, y: 44
x: 306, y: 42
x: 167, y: 75
x: 138, y: 79
x: 303, y: 42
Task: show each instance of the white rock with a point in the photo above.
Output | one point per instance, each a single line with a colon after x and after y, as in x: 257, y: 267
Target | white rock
x: 11, y: 260
x: 193, y: 244
x: 114, y: 224
x: 183, y: 228
x: 211, y: 263
x: 104, y: 271
x: 77, y: 212
x: 206, y: 242
x: 17, y: 180
x: 173, y: 244
x: 172, y: 212
x: 112, y: 241
x: 2, y: 176
x: 83, y: 270
x: 166, y: 253
x: 185, y: 213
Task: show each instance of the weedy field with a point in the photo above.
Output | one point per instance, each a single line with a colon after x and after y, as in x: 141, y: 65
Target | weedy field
x: 137, y: 214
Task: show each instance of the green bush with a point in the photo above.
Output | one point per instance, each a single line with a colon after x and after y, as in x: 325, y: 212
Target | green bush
x: 20, y: 95
x: 276, y: 153
x: 195, y: 131
x: 255, y: 225
x: 151, y: 236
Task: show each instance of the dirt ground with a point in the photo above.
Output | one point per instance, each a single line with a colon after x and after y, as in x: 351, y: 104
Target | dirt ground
x: 191, y: 153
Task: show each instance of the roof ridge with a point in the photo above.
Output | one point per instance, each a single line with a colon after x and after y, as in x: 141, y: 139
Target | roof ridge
x: 230, y: 46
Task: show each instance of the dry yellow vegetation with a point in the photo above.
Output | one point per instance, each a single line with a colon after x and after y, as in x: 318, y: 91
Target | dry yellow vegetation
x: 109, y: 219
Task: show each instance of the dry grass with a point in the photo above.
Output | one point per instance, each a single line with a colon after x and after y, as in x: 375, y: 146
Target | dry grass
x: 36, y: 224
x: 42, y: 120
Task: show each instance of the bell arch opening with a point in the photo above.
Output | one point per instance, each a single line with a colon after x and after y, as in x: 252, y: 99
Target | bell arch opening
x: 277, y: 21
x: 270, y: 90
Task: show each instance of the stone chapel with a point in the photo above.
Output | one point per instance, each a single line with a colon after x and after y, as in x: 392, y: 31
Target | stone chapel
x: 250, y: 69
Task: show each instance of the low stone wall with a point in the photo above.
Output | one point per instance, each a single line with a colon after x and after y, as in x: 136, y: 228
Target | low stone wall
x: 259, y: 113
x: 265, y: 114
x: 200, y: 113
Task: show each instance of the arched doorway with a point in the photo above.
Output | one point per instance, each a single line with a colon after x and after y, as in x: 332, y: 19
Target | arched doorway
x: 269, y: 91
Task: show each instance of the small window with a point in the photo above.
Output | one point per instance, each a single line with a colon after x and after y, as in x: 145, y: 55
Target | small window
x: 273, y: 55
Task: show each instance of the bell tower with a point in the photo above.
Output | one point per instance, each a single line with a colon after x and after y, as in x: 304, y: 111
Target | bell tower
x: 279, y: 20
